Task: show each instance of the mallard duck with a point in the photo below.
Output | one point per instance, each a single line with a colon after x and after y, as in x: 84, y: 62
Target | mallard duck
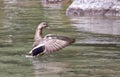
x: 49, y: 43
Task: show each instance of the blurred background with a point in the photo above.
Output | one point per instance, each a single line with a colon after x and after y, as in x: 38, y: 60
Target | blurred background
x: 96, y: 52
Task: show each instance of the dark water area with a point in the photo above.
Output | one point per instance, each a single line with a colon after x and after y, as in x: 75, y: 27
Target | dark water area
x: 96, y: 52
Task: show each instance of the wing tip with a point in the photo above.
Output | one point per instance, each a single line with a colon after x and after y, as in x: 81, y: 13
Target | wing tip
x: 72, y: 40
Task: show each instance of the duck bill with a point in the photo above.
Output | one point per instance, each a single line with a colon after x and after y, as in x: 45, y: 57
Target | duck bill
x: 30, y: 53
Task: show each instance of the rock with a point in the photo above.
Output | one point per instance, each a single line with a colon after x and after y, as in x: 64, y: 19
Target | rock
x: 94, y: 8
x: 114, y: 10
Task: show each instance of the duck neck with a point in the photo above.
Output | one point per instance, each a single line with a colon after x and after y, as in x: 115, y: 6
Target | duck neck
x: 38, y: 34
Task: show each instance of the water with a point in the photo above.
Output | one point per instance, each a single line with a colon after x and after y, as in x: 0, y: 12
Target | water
x: 97, y: 30
x: 96, y: 52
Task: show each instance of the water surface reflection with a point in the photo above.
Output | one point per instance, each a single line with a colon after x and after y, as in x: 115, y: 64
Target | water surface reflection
x: 101, y: 25
x: 100, y: 30
x: 88, y: 57
x: 49, y: 69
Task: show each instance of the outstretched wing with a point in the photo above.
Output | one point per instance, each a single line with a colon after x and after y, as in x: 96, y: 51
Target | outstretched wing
x: 56, y: 42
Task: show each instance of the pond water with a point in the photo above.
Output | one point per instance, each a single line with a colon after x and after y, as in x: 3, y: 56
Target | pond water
x: 97, y: 30
x: 96, y: 52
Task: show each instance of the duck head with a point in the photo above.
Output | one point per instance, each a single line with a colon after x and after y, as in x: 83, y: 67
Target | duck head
x: 42, y: 25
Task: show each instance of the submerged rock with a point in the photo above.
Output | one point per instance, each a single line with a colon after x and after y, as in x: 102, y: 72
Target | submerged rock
x: 94, y: 8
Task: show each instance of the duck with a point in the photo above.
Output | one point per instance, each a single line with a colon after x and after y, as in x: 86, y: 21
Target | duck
x: 49, y: 43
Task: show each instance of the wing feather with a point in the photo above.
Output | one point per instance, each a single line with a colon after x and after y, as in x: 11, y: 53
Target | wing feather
x: 48, y: 46
x: 55, y: 42
x: 55, y: 46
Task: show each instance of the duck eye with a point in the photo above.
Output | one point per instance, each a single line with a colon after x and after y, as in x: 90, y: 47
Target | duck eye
x: 44, y: 24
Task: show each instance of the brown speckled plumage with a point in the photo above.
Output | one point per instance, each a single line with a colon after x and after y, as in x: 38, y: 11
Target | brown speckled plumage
x: 51, y: 42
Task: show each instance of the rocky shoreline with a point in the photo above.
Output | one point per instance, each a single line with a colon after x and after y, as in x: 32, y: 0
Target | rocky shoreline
x: 94, y: 8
